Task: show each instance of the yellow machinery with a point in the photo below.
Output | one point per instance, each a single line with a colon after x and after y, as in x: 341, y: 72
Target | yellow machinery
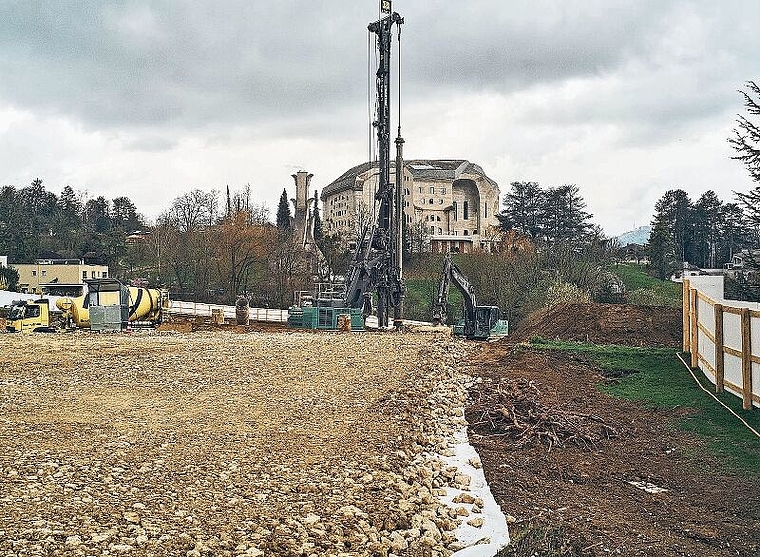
x: 141, y: 304
x: 30, y: 316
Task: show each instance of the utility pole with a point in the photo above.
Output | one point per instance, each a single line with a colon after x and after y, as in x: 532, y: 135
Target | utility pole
x: 387, y: 238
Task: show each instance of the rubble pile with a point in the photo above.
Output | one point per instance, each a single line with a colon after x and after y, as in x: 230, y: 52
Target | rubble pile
x: 230, y: 444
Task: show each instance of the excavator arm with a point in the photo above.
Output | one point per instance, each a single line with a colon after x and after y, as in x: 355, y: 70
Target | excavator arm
x: 479, y: 321
x: 452, y: 274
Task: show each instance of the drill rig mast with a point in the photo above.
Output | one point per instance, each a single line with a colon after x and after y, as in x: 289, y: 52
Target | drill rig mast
x: 377, y: 259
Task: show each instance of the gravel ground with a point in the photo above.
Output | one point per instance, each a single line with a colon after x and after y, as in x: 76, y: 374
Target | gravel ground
x: 228, y: 444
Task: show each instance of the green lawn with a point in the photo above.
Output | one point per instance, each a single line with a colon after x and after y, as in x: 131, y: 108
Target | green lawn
x: 655, y: 377
x: 644, y: 289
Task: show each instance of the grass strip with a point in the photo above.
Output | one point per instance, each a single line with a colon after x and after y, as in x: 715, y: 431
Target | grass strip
x: 656, y: 378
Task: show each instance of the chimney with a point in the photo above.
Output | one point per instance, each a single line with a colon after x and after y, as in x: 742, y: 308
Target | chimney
x: 302, y: 179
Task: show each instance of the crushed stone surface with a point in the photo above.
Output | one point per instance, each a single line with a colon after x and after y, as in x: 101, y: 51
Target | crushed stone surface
x: 228, y: 444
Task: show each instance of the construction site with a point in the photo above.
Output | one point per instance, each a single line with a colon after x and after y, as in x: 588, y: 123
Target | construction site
x: 233, y: 440
x: 135, y: 424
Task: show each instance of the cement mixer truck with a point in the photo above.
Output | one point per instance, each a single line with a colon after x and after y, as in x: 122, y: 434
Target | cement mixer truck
x: 106, y: 302
x: 115, y: 302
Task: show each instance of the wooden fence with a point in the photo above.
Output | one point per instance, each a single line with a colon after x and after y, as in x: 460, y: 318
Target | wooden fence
x: 723, y: 338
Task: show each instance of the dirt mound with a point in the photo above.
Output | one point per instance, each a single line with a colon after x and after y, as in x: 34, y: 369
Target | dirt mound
x: 604, y: 324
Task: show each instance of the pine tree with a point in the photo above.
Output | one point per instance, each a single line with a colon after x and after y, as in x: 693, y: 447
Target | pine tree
x: 284, y: 216
x: 746, y: 138
x: 319, y: 233
x: 522, y: 209
x: 706, y: 217
x: 674, y: 210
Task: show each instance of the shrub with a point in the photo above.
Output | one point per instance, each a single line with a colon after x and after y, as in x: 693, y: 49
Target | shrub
x: 566, y: 293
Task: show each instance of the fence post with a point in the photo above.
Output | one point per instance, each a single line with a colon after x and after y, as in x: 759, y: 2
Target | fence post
x: 719, y: 353
x: 686, y: 305
x: 746, y: 359
x: 694, y: 326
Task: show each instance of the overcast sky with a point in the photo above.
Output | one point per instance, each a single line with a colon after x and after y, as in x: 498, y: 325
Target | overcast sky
x: 626, y: 99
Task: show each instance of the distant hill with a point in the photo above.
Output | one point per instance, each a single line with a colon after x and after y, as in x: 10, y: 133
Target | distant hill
x: 639, y: 236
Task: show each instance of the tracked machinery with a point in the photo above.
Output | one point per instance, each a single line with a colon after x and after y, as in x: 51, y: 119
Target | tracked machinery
x: 479, y: 322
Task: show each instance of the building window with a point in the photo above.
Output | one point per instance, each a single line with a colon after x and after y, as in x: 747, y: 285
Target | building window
x: 432, y: 229
x: 34, y: 273
x: 455, y: 210
x: 465, y: 233
x: 443, y: 191
x: 420, y: 188
x: 485, y: 209
x: 438, y: 218
x: 440, y: 230
x: 465, y: 211
x: 44, y: 272
x: 84, y: 275
x: 432, y: 190
x: 431, y: 201
x: 440, y: 202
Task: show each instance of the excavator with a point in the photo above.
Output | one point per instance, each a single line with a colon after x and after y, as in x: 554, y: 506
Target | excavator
x: 480, y: 322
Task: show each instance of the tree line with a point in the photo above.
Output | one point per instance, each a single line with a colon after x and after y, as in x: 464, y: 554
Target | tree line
x: 201, y: 247
x: 706, y: 232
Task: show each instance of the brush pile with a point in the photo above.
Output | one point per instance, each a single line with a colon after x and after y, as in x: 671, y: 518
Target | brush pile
x: 512, y: 409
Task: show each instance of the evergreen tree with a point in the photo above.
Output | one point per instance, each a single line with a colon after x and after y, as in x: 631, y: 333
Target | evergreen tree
x: 746, y: 137
x: 564, y: 215
x: 734, y: 233
x: 661, y: 249
x: 284, y: 216
x: 319, y: 233
x: 674, y: 211
x: 522, y: 209
x: 706, y: 218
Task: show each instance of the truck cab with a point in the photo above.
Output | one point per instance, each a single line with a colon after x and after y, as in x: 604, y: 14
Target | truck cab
x: 29, y: 316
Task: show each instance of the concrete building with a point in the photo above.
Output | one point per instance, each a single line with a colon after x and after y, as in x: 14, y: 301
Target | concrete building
x: 453, y: 200
x: 36, y: 277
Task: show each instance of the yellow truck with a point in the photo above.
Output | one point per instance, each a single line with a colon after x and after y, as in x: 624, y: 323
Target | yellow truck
x: 30, y: 316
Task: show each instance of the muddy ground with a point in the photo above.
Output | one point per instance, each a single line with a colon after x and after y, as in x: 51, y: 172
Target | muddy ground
x: 580, y: 501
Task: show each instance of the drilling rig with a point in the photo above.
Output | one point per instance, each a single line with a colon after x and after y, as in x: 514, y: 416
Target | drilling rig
x: 377, y: 261
x: 376, y: 266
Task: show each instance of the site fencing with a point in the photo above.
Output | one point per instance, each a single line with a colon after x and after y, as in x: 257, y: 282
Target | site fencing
x: 723, y: 338
x: 207, y: 310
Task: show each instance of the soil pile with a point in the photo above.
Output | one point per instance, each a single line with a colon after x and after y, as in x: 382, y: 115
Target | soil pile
x: 604, y: 324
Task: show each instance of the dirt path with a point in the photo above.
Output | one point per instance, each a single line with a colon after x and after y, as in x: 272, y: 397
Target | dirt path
x: 580, y: 502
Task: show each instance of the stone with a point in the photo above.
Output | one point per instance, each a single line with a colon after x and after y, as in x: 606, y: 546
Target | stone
x: 132, y: 517
x: 475, y: 522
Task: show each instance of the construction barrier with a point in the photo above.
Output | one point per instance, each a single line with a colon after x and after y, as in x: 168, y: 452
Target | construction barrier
x: 207, y: 310
x: 723, y: 338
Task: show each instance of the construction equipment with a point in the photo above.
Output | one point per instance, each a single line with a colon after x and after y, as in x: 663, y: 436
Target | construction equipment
x: 109, y: 296
x: 30, y: 316
x: 480, y: 322
x: 377, y: 263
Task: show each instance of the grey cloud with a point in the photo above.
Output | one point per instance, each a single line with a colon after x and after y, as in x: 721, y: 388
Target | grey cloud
x: 188, y: 65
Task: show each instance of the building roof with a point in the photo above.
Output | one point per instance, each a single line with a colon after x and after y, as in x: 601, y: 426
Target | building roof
x: 421, y: 169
